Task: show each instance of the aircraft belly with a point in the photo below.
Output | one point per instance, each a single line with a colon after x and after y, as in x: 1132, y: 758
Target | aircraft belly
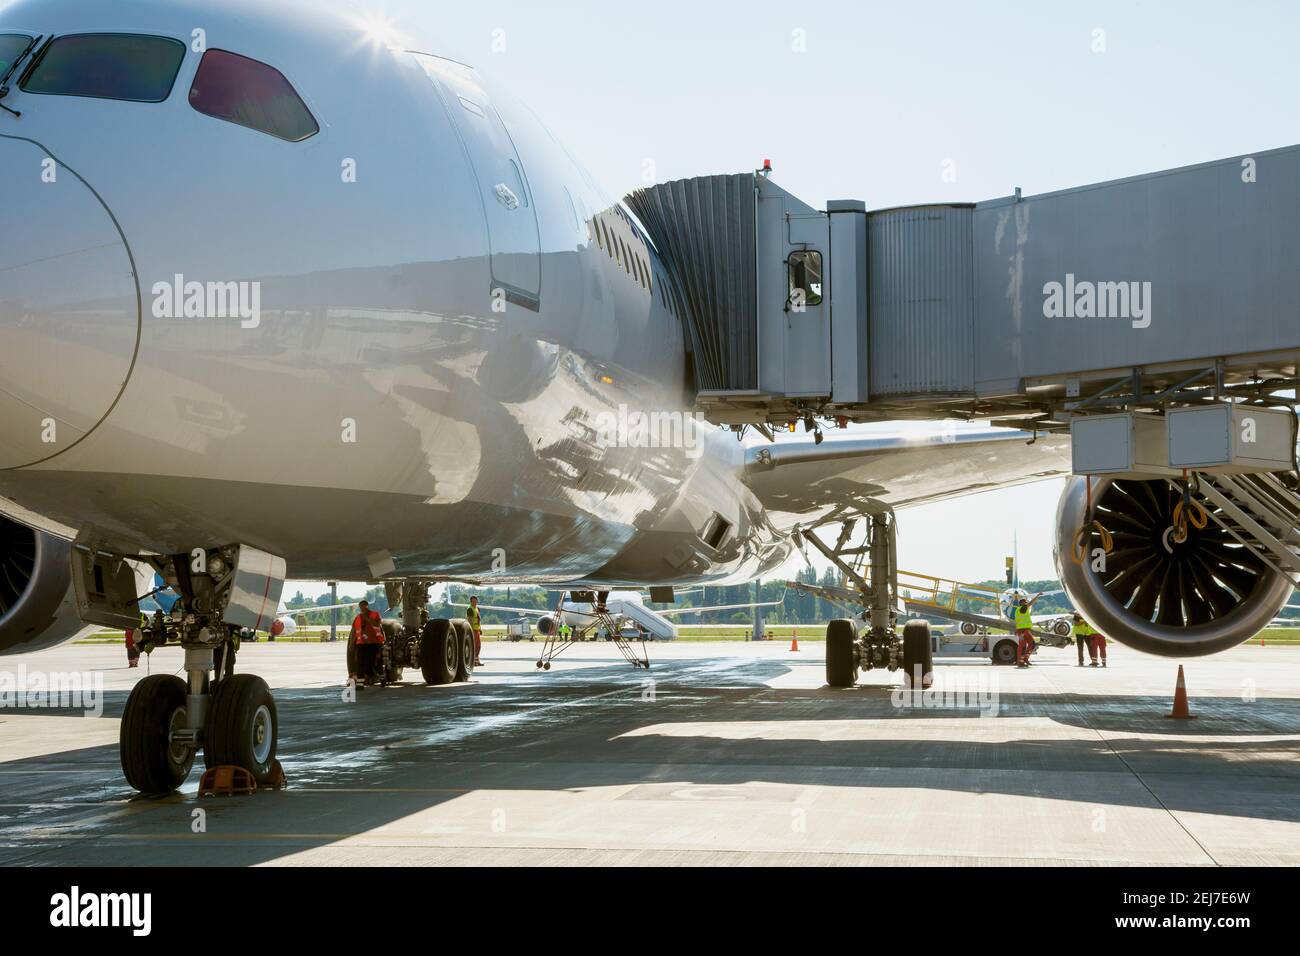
x: 460, y: 450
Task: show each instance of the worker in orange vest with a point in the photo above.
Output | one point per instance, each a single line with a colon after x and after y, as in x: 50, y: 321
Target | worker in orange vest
x: 368, y: 636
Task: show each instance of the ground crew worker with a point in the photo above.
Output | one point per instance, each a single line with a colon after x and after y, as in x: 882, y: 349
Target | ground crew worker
x: 368, y: 636
x: 1098, y: 645
x: 476, y: 625
x: 1024, y: 629
x: 132, y: 649
x: 1083, y: 636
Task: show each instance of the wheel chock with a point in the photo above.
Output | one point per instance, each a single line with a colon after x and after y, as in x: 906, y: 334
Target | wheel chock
x: 227, y: 780
x: 276, y: 780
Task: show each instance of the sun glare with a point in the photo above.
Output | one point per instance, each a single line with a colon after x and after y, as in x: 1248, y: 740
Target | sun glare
x: 381, y: 31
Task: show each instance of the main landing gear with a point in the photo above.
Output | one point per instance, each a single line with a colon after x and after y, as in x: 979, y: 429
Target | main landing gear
x: 441, y: 649
x: 230, y: 717
x: 870, y: 638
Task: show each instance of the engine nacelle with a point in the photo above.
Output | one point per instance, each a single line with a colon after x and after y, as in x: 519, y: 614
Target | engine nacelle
x: 38, y: 608
x: 1207, y: 594
x: 546, y: 625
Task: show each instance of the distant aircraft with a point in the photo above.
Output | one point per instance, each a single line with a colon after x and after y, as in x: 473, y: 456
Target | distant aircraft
x: 583, y: 610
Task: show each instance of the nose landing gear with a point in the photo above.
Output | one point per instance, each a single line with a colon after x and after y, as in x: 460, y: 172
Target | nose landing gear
x: 232, y: 718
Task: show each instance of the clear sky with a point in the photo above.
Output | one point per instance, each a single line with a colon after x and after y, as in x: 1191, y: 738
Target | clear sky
x: 893, y: 103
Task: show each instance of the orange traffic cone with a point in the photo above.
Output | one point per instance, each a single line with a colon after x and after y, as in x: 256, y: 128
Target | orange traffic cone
x: 1180, y: 710
x: 794, y: 639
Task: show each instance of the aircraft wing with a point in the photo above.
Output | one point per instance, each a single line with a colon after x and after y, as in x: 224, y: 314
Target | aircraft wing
x: 803, y: 483
x: 289, y: 611
x: 540, y: 612
x: 715, y: 607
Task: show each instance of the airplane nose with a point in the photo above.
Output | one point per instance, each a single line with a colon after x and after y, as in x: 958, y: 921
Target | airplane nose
x: 69, y: 308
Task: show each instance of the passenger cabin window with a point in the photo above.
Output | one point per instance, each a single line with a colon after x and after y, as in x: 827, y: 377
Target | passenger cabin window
x: 11, y: 48
x: 805, y: 279
x: 108, y: 66
x: 248, y: 93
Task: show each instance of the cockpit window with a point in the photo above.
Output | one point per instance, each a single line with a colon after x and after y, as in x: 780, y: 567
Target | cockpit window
x: 111, y: 66
x: 11, y: 48
x: 239, y: 90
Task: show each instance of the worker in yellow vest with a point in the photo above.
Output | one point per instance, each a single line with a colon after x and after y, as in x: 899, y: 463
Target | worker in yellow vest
x: 476, y: 625
x: 1098, y: 644
x: 1024, y: 629
x: 1083, y: 637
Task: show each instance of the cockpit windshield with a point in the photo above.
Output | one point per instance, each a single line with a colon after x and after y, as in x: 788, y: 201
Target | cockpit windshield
x: 12, y: 46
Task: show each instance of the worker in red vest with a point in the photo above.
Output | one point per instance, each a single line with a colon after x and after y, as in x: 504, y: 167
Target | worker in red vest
x: 132, y: 651
x: 368, y: 636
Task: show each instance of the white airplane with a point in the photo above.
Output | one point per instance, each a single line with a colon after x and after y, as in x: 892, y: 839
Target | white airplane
x: 584, y: 611
x: 286, y: 619
x: 284, y: 293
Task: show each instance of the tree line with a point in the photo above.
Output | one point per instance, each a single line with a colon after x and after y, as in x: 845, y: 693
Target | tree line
x: 795, y: 607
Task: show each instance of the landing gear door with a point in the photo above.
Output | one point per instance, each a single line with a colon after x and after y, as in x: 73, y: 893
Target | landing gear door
x: 502, y: 182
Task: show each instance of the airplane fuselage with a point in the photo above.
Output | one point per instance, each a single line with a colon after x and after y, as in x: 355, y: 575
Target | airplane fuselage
x: 427, y: 370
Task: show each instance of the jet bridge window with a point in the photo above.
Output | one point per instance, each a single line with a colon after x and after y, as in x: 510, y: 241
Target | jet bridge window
x: 249, y: 93
x: 805, y: 278
x: 109, y: 66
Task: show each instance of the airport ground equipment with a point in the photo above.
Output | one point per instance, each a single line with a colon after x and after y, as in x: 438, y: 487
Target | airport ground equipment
x: 520, y: 630
x: 932, y: 596
x: 601, y: 621
x: 1152, y: 318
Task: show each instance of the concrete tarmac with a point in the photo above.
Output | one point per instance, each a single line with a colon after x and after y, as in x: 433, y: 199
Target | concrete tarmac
x: 735, y: 754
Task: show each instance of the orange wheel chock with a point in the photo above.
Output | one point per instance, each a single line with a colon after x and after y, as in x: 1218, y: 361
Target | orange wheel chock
x: 226, y: 780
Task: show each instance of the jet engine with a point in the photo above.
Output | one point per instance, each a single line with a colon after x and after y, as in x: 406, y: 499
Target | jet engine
x: 546, y: 625
x: 38, y: 608
x: 1151, y: 591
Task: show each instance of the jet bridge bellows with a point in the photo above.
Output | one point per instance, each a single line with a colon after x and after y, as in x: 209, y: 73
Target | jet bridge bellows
x: 1166, y: 288
x: 708, y: 223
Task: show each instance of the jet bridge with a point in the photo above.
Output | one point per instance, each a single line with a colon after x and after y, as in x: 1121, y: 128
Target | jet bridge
x: 1156, y: 319
x: 1162, y: 289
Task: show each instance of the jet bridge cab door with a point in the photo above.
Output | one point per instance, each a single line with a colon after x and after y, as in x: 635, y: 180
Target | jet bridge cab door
x: 514, y: 242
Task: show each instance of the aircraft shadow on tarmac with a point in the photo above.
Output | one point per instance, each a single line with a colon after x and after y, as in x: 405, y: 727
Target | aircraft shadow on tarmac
x: 356, y: 768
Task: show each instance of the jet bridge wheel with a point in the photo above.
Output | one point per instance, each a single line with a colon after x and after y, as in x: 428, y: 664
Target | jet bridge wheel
x: 241, y: 726
x: 841, y: 653
x: 439, y: 652
x: 150, y: 761
x: 917, y: 654
x: 465, y: 638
